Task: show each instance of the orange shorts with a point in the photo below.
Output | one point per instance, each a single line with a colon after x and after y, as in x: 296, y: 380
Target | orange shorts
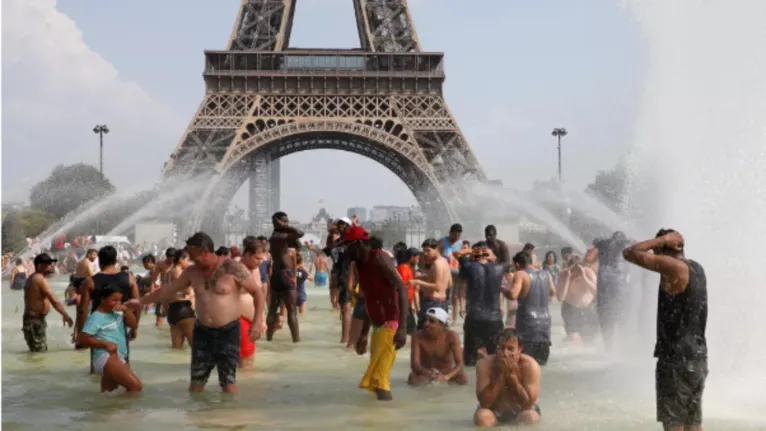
x: 246, y: 347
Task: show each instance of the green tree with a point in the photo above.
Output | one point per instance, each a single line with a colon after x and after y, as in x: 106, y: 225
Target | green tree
x: 13, y: 238
x: 33, y: 222
x: 610, y: 186
x: 67, y: 188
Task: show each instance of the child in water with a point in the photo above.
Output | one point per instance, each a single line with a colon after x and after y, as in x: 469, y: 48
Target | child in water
x: 105, y: 332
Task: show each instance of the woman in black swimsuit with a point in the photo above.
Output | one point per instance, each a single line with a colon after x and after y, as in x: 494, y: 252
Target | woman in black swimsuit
x: 181, y: 316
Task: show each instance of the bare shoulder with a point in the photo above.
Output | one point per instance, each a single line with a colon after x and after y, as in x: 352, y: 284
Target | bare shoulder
x: 454, y: 338
x: 484, y: 365
x: 236, y: 269
x: 529, y: 367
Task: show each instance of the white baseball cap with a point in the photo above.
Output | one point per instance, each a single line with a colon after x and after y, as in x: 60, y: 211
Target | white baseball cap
x: 345, y: 220
x: 438, y: 314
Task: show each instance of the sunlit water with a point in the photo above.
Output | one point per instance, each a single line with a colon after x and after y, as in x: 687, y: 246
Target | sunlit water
x: 312, y: 385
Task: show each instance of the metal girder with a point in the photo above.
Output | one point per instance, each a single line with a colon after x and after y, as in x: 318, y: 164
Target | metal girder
x: 263, y: 25
x: 386, y: 26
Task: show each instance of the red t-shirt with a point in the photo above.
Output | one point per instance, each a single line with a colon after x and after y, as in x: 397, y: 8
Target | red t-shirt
x: 380, y: 300
x: 405, y: 271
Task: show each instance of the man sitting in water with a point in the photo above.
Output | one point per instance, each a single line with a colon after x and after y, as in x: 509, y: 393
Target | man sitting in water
x: 507, y: 385
x: 105, y: 333
x: 436, y: 354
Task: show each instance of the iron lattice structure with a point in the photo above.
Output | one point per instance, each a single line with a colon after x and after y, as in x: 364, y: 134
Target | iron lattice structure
x: 264, y: 101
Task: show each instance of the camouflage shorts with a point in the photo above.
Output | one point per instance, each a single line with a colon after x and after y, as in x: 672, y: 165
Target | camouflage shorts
x: 34, y: 333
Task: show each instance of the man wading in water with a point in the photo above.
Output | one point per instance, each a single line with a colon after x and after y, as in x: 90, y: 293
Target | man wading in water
x: 217, y: 283
x: 283, y: 283
x: 38, y: 298
x: 159, y: 278
x: 386, y: 300
x: 681, y: 348
x: 83, y: 269
x: 437, y: 281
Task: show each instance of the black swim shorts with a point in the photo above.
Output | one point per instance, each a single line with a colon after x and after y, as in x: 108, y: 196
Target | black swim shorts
x: 283, y: 280
x: 477, y: 334
x: 679, y: 385
x: 511, y: 417
x: 215, y: 348
x: 180, y: 310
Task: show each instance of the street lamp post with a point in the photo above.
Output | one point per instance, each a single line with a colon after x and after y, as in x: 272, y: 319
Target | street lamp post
x: 559, y: 133
x: 100, y: 130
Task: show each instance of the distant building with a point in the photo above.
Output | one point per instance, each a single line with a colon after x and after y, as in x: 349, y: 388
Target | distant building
x: 360, y: 212
x: 380, y: 213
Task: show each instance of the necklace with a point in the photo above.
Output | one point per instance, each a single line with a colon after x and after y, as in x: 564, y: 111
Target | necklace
x: 210, y: 277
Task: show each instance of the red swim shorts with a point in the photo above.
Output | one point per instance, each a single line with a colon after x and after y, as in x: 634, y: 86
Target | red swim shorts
x: 246, y: 347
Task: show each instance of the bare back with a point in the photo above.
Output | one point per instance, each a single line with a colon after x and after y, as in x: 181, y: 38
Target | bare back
x: 84, y: 268
x: 320, y: 262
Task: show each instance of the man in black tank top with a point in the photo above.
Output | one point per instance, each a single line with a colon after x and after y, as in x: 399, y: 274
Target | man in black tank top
x: 681, y: 348
x: 93, y: 287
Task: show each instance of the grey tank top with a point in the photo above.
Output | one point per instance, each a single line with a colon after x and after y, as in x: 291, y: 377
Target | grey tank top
x: 533, y: 320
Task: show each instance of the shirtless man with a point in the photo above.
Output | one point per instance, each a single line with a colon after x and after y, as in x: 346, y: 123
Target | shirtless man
x: 38, y: 298
x: 159, y: 279
x: 577, y: 292
x: 84, y: 269
x: 319, y: 266
x: 436, y: 354
x: 436, y: 282
x: 217, y: 284
x: 253, y: 254
x: 282, y: 283
x: 507, y: 385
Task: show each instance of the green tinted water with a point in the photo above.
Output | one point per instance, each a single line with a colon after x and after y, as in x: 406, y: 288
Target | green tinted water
x: 312, y: 385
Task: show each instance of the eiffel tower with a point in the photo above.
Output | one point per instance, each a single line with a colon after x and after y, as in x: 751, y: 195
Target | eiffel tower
x: 265, y: 100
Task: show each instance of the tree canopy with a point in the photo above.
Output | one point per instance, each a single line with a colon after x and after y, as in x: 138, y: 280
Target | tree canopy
x: 67, y: 188
x: 610, y: 186
x: 12, y: 233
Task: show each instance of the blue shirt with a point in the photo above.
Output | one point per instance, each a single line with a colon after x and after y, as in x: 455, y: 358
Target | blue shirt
x: 302, y: 276
x: 109, y: 327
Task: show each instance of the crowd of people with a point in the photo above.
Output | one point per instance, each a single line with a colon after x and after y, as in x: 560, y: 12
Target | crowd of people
x: 221, y: 301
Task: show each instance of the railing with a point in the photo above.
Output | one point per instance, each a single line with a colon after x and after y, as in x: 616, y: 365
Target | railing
x: 323, y: 62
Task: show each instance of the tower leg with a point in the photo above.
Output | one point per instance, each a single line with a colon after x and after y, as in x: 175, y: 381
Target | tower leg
x: 264, y: 193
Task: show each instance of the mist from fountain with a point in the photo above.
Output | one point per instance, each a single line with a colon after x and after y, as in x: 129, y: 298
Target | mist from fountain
x: 700, y: 145
x: 501, y: 202
x: 174, y: 199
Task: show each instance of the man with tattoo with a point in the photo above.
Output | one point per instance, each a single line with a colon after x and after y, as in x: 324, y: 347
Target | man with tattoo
x: 681, y: 348
x: 282, y: 283
x: 386, y: 301
x: 217, y: 283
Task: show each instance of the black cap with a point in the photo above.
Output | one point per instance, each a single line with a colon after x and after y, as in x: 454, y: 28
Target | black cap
x: 44, y: 259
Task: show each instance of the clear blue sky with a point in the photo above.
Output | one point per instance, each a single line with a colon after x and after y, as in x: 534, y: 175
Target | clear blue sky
x: 515, y: 70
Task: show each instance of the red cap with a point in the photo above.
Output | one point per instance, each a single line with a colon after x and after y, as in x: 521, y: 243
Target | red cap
x: 355, y: 233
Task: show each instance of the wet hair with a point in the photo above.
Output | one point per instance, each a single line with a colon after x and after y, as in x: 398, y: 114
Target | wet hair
x: 91, y: 250
x: 170, y: 252
x: 555, y: 258
x: 430, y: 243
x: 262, y: 238
x: 410, y: 253
x: 235, y: 251
x: 528, y: 247
x: 148, y: 258
x: 222, y: 251
x: 400, y: 246
x: 522, y: 259
x: 574, y: 260
x: 107, y: 256
x: 663, y: 232
x: 619, y: 236
x: 457, y: 227
x: 249, y: 241
x: 278, y: 215
x: 125, y: 268
x: 179, y: 255
x: 110, y: 289
x: 19, y: 261
x: 201, y: 240
x: 506, y: 335
x: 490, y: 229
x: 480, y: 244
x: 376, y: 243
x: 466, y: 242
x: 566, y: 250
